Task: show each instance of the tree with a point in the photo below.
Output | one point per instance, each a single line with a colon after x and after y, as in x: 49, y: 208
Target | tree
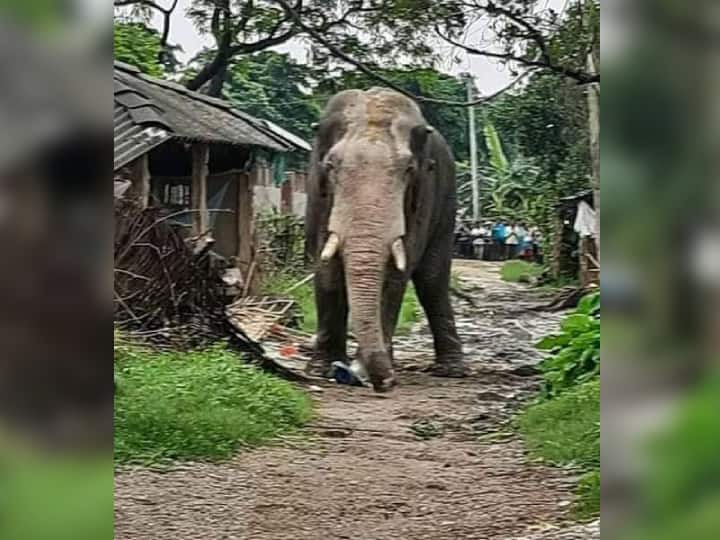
x: 142, y: 9
x: 530, y: 38
x: 137, y: 44
x: 510, y: 184
x: 273, y: 86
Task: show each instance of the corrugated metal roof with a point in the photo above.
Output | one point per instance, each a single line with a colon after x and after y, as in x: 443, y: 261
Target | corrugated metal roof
x: 143, y: 102
x: 132, y: 139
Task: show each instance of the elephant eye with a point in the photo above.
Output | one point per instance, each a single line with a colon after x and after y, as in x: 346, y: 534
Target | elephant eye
x: 328, y: 166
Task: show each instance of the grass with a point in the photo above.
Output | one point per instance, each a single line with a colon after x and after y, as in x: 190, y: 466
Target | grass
x: 587, y: 506
x: 197, y: 406
x: 517, y: 271
x: 564, y: 431
x: 278, y: 283
x: 304, y: 296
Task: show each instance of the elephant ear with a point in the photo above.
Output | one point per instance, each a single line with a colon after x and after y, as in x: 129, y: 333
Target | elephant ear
x: 418, y: 139
x: 328, y: 132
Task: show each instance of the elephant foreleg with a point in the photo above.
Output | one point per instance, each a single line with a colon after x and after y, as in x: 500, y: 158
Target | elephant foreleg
x: 432, y: 284
x: 332, y: 312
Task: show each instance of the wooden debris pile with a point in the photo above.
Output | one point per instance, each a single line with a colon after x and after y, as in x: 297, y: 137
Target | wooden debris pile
x: 166, y: 290
x: 267, y: 320
x: 171, y: 292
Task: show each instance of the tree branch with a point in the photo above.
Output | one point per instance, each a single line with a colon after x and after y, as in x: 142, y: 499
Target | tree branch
x: 338, y: 53
x: 148, y: 3
x: 544, y: 63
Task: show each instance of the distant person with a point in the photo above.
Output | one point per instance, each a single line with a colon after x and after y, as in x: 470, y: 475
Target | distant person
x: 512, y: 240
x: 464, y: 241
x: 498, y: 240
x: 478, y: 233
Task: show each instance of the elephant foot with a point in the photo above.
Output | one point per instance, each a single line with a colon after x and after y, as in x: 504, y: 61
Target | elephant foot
x: 449, y: 367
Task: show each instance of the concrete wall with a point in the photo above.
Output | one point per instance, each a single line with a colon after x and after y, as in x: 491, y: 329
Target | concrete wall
x: 268, y: 198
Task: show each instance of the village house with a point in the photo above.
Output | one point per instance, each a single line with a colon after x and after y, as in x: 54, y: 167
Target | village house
x: 210, y: 166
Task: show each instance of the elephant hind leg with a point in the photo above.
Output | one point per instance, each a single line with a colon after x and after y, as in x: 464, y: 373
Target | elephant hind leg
x: 432, y: 283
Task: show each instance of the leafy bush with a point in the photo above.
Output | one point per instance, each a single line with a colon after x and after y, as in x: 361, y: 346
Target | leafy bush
x: 199, y: 405
x: 575, y: 351
x: 517, y: 271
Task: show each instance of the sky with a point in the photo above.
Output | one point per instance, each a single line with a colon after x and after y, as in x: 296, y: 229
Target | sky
x: 489, y: 74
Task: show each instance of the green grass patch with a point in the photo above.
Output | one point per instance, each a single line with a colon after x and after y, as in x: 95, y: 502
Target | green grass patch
x: 517, y: 271
x: 197, y: 406
x: 565, y: 430
x: 409, y: 311
x: 279, y: 283
x: 304, y: 296
x: 587, y: 506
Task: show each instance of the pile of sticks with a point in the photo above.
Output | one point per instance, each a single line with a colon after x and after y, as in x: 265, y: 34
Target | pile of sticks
x: 165, y: 290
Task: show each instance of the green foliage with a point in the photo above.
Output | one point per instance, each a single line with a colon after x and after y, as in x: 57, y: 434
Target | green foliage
x: 510, y: 186
x: 280, y: 282
x: 544, y: 128
x: 588, y: 503
x: 575, y: 351
x: 198, y: 405
x: 563, y: 426
x: 139, y: 45
x: 409, y: 311
x: 496, y: 154
x: 517, y: 271
x: 273, y: 86
x: 565, y: 430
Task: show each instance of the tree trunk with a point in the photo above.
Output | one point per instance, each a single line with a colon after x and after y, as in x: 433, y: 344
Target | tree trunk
x: 218, y: 80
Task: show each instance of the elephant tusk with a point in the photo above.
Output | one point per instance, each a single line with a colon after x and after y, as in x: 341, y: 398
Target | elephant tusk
x: 331, y: 247
x: 398, y: 251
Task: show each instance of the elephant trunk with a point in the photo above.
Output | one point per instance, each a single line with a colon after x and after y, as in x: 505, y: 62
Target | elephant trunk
x: 365, y: 262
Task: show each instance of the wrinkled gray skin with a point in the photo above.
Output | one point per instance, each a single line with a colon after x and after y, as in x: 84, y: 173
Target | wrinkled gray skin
x: 380, y: 177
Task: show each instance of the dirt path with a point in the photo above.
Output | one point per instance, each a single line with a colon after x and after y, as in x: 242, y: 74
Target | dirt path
x: 429, y: 462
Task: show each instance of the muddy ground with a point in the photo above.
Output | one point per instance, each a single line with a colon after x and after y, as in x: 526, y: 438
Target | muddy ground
x: 432, y: 461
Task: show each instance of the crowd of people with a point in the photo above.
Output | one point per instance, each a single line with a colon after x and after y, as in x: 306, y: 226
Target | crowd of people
x: 498, y: 241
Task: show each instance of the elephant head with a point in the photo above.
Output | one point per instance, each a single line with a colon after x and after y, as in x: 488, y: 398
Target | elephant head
x: 371, y: 154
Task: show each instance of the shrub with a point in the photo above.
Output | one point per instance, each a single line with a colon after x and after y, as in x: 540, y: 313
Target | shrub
x: 575, y: 351
x: 517, y: 271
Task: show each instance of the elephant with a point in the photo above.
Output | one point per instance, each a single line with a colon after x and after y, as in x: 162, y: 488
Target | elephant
x: 381, y: 205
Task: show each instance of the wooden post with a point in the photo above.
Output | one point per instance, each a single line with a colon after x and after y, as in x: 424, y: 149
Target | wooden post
x: 140, y: 179
x: 244, y: 222
x: 593, y: 100
x: 198, y: 190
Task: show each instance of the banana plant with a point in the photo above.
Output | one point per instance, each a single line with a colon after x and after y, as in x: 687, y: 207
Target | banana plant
x: 510, y: 185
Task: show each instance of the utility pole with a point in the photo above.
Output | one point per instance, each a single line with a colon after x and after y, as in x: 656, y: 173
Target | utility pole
x: 473, y: 149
